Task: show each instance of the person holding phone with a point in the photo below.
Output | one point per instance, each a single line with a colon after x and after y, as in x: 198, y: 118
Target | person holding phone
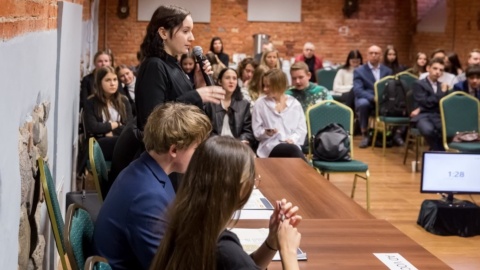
x: 278, y: 120
x: 197, y: 236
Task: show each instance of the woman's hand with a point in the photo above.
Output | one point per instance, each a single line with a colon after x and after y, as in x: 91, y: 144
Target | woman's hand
x: 271, y: 131
x: 283, y: 211
x: 212, y: 94
x: 288, y: 238
x: 199, y: 80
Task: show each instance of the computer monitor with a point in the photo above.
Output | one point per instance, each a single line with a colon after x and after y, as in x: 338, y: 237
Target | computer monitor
x: 450, y: 173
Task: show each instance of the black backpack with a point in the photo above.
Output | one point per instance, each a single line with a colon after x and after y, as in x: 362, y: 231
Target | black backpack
x: 393, y: 102
x: 331, y: 143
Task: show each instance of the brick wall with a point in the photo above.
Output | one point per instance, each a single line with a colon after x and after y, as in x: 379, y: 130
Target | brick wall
x: 22, y: 16
x: 380, y: 22
x: 462, y: 31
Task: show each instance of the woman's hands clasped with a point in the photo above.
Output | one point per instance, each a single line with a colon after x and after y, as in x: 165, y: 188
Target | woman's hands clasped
x: 283, y: 226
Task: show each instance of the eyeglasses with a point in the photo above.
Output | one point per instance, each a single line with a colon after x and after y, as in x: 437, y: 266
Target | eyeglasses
x: 257, y: 181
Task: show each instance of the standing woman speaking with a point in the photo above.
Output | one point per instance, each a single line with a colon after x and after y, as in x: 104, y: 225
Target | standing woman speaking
x: 160, y: 78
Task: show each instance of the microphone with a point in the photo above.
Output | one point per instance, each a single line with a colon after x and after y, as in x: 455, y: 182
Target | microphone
x: 199, y: 57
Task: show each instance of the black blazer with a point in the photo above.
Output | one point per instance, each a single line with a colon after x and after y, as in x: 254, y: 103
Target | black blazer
x: 94, y: 125
x: 427, y: 100
x: 240, y: 119
x: 364, y: 81
x: 159, y: 81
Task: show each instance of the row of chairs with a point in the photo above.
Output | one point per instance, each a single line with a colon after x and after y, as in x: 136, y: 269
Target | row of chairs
x: 459, y: 111
x: 73, y: 237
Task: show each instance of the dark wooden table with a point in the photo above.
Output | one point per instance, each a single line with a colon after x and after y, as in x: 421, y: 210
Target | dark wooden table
x: 293, y: 179
x: 350, y: 244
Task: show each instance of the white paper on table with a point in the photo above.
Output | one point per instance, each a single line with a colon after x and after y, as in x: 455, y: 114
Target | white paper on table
x: 395, y: 261
x: 254, y: 214
x: 252, y: 239
x: 258, y: 201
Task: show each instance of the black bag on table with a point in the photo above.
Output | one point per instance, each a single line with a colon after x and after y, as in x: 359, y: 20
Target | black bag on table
x: 332, y: 143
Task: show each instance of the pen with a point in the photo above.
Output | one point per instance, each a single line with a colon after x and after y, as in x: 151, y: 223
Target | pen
x: 282, y: 217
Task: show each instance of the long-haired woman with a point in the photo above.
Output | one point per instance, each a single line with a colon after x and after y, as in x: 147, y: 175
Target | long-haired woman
x: 232, y: 116
x: 216, y: 46
x: 160, y: 78
x: 197, y: 235
x: 87, y: 85
x: 420, y: 65
x: 106, y: 111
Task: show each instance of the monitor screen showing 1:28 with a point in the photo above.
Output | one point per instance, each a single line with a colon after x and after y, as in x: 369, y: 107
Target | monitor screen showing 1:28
x: 450, y: 173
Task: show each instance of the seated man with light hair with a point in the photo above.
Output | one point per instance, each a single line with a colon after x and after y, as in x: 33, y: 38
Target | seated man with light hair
x: 313, y: 62
x: 473, y: 59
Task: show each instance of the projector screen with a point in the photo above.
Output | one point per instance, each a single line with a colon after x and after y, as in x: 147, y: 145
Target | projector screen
x: 200, y: 9
x: 450, y: 173
x: 274, y: 11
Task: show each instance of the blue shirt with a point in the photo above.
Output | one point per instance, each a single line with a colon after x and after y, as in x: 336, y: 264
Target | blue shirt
x: 132, y: 220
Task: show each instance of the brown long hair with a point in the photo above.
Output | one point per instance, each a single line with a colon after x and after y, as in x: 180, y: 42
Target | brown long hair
x: 208, y: 197
x: 117, y: 99
x: 255, y: 85
x: 168, y: 17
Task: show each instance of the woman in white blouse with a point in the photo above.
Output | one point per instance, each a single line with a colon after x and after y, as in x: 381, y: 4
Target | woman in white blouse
x: 278, y: 120
x: 343, y: 82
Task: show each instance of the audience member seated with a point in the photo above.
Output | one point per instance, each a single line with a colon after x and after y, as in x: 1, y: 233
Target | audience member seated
x: 101, y: 59
x: 313, y: 62
x: 472, y: 84
x: 447, y: 77
x: 364, y: 78
x: 452, y: 64
x: 245, y: 70
x: 106, y: 111
x: 278, y: 120
x: 270, y: 59
x: 473, y: 59
x: 255, y: 88
x: 232, y: 116
x: 187, y: 62
x: 343, y: 82
x: 132, y: 221
x: 427, y: 93
x: 420, y: 65
x: 216, y: 46
x: 265, y: 47
x: 306, y: 92
x: 218, y: 192
x: 390, y: 60
x: 216, y: 64
x: 128, y: 79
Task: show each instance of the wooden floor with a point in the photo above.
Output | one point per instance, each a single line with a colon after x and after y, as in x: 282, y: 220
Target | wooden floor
x: 395, y: 197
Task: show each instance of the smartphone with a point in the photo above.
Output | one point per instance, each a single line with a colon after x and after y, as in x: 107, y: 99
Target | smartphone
x: 269, y: 129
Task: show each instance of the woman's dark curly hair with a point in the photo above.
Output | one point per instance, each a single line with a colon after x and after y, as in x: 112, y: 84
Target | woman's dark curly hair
x: 168, y: 17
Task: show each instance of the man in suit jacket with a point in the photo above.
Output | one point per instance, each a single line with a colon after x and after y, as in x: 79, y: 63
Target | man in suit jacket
x: 364, y: 78
x: 132, y: 221
x: 472, y: 84
x: 427, y: 94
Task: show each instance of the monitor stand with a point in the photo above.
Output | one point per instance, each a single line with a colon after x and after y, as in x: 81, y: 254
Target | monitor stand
x: 449, y: 199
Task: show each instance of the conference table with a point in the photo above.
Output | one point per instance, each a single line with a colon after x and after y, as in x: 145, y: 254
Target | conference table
x: 337, y: 233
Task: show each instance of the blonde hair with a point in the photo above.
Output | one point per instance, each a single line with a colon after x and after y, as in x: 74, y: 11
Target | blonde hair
x: 278, y: 80
x: 175, y: 124
x: 255, y: 85
x: 264, y: 57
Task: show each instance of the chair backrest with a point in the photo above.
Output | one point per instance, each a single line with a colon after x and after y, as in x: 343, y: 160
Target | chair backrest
x: 99, y: 166
x: 459, y: 112
x: 326, y: 112
x: 379, y: 87
x: 53, y: 208
x: 97, y: 263
x: 408, y: 78
x: 78, y: 236
x: 326, y: 77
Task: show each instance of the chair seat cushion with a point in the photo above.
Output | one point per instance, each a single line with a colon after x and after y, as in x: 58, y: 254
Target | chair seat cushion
x: 466, y: 147
x: 395, y: 120
x: 341, y: 166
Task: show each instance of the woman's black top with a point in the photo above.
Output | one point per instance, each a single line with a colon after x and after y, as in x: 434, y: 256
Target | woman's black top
x: 161, y: 80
